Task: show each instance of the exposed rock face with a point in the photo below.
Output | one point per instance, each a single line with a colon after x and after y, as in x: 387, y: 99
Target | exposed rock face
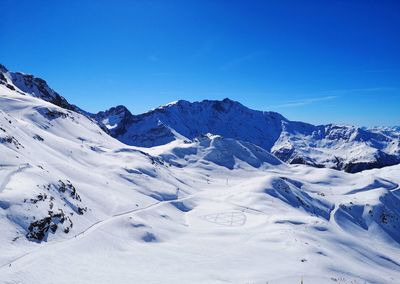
x: 38, y: 230
x: 56, y: 218
x: 114, y: 119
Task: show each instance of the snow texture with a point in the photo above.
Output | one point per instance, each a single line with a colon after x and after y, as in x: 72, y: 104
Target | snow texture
x: 78, y: 206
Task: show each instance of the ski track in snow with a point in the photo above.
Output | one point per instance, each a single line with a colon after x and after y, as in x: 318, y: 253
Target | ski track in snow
x: 94, y: 227
x: 97, y: 225
x: 8, y: 177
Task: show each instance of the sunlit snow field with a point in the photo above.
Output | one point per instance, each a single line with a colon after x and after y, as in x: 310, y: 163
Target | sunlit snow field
x: 212, y: 210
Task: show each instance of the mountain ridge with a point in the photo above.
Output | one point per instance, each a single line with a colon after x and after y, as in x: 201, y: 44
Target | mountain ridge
x: 292, y: 141
x: 341, y: 147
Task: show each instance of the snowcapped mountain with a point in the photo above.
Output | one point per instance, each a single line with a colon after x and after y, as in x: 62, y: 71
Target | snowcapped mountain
x: 346, y: 148
x: 113, y: 119
x: 201, y: 209
x: 393, y: 131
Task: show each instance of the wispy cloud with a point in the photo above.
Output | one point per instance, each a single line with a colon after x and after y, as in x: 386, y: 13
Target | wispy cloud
x: 332, y: 95
x: 307, y: 101
x: 236, y: 62
x: 359, y: 90
x: 381, y: 70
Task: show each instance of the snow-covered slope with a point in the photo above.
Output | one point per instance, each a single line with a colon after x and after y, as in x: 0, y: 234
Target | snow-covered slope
x: 49, y: 166
x: 226, y: 152
x: 77, y: 206
x: 346, y: 148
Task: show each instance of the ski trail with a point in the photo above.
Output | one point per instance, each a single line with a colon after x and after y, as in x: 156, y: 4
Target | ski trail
x: 112, y: 218
x: 10, y: 175
x: 93, y: 227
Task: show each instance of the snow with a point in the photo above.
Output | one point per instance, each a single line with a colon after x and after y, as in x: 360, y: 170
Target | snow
x: 204, y: 209
x: 334, y: 146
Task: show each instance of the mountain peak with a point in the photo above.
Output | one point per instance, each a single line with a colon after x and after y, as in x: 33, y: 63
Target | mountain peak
x: 226, y: 117
x: 226, y: 104
x: 33, y: 86
x: 3, y: 68
x: 114, y: 119
x: 116, y: 110
x: 172, y: 104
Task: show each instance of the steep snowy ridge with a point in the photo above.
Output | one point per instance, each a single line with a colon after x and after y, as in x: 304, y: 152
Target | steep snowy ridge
x: 346, y: 148
x: 34, y: 86
x: 50, y: 172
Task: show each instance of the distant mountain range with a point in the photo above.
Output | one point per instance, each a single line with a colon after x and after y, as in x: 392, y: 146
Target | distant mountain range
x: 341, y: 147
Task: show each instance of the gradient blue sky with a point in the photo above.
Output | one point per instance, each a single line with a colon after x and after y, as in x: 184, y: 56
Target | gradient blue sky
x: 316, y: 61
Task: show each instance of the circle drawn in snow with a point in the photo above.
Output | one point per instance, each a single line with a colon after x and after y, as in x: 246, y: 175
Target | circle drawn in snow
x: 230, y: 219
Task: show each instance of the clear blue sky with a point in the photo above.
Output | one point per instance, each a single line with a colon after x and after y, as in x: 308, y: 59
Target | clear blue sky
x: 316, y: 61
